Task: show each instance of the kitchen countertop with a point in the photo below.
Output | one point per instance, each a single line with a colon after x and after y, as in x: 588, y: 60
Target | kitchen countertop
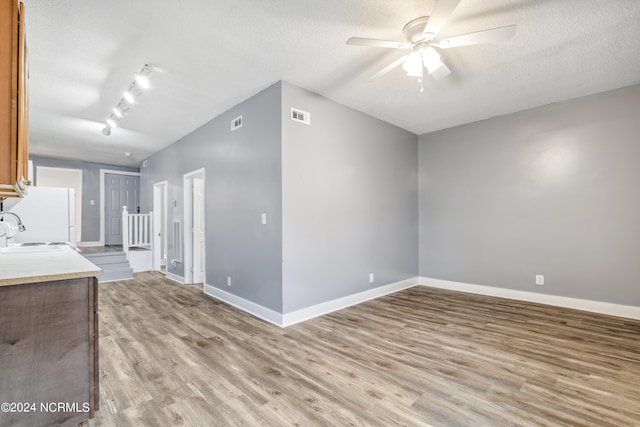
x: 22, y: 265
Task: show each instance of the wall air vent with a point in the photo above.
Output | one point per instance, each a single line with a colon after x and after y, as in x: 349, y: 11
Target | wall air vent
x: 300, y: 116
x: 236, y: 123
x: 177, y: 241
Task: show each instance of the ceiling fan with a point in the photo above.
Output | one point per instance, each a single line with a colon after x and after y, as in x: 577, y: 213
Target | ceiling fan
x: 420, y: 35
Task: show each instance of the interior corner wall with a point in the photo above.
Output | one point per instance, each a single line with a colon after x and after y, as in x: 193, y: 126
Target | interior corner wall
x: 242, y: 181
x: 90, y: 227
x: 550, y: 191
x: 350, y: 202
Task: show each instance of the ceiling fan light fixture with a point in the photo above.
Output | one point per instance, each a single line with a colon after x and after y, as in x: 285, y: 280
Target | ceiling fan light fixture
x: 111, y: 123
x: 431, y: 59
x: 414, y: 73
x: 421, y: 34
x: 413, y: 65
x: 118, y: 112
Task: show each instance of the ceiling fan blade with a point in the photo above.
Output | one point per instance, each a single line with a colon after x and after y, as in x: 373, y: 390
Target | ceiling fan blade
x: 388, y: 68
x: 389, y: 44
x: 440, y: 15
x: 500, y: 34
x: 441, y: 72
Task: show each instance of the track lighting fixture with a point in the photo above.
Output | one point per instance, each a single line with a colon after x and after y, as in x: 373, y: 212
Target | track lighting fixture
x: 141, y: 83
x: 128, y: 96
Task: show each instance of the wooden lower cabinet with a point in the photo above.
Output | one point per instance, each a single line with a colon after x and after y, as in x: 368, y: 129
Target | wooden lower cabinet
x: 49, y: 353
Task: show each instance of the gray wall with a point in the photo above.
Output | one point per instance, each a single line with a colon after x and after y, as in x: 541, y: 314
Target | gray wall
x: 350, y: 203
x: 551, y: 191
x: 242, y: 180
x: 90, y: 190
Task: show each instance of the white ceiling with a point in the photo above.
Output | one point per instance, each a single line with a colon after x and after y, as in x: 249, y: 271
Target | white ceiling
x: 216, y: 53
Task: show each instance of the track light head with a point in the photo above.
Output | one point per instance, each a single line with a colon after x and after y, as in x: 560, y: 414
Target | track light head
x: 142, y: 81
x: 128, y: 96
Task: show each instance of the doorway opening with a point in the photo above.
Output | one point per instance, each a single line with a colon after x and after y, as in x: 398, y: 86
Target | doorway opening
x: 194, y: 226
x: 117, y: 189
x: 160, y: 207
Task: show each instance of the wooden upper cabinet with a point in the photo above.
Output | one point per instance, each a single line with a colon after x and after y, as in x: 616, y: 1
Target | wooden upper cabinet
x: 14, y: 101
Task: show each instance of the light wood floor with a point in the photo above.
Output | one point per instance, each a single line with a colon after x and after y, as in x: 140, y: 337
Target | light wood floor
x: 172, y: 356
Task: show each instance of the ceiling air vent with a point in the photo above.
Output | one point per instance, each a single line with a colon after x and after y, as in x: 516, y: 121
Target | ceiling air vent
x: 300, y: 116
x: 236, y: 123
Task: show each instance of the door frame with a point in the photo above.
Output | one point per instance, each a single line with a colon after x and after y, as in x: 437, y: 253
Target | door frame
x: 158, y: 189
x: 187, y: 215
x: 102, y: 198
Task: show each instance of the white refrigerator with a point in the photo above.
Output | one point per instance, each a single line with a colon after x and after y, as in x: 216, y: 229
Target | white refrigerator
x: 49, y: 215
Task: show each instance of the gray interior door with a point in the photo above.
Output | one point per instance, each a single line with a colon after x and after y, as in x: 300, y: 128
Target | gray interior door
x: 120, y: 190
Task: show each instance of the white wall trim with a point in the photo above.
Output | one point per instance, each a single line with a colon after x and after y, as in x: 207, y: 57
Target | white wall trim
x: 629, y: 311
x: 159, y: 211
x: 102, y: 196
x: 257, y: 310
x: 187, y: 213
x: 307, y: 313
x: 174, y: 277
x: 317, y: 310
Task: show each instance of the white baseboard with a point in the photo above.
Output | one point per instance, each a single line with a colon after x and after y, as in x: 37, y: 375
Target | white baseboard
x: 174, y: 277
x: 257, y: 310
x: 620, y: 310
x: 307, y: 313
x: 89, y: 244
x: 317, y: 310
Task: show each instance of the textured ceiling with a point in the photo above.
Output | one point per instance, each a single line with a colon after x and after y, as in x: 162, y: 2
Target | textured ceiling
x: 215, y: 53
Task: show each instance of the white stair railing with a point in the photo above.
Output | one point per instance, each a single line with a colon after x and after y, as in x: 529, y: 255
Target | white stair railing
x: 137, y: 230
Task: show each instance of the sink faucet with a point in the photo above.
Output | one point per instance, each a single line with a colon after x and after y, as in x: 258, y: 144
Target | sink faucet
x: 21, y: 226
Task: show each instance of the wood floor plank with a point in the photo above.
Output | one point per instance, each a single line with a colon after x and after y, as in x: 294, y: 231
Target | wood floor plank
x: 170, y: 355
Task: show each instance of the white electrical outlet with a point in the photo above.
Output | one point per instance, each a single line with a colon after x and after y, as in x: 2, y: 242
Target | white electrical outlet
x: 371, y: 278
x: 228, y: 280
x: 264, y: 218
x: 539, y: 279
